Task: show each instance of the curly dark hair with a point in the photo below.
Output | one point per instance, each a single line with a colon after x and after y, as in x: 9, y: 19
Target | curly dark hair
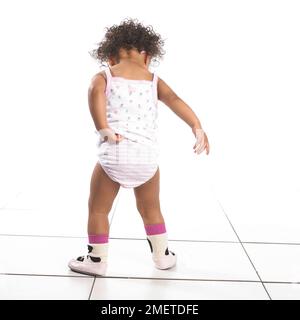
x: 130, y: 34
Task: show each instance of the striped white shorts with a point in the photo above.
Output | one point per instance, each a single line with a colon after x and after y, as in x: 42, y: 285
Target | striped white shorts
x: 128, y: 162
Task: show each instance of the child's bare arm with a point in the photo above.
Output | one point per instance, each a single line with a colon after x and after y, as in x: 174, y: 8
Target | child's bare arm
x: 97, y: 106
x: 97, y: 101
x: 182, y: 110
x: 177, y: 105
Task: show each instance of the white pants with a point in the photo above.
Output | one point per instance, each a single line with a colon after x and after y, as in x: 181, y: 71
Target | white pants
x: 128, y: 162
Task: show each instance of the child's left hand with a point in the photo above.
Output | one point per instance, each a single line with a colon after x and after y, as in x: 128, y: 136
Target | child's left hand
x: 201, y: 141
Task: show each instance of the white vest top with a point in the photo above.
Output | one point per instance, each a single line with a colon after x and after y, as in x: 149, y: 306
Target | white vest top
x: 131, y: 108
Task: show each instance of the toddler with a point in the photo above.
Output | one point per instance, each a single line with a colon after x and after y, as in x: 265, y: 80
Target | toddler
x: 123, y: 101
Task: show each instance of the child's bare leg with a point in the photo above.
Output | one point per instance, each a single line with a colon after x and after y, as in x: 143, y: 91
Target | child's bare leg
x: 147, y: 200
x: 103, y: 191
x: 148, y: 205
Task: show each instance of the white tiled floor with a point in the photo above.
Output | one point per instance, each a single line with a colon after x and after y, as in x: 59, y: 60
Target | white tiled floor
x: 18, y: 287
x: 266, y: 211
x: 196, y: 260
x: 35, y: 219
x: 211, y: 222
x: 284, y: 291
x: 37, y: 239
x: 276, y: 262
x: 38, y: 255
x: 176, y: 289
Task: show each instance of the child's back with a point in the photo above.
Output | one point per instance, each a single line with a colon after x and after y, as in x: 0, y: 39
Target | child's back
x: 130, y: 70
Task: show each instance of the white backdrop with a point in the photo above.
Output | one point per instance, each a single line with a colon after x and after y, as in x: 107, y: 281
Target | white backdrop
x: 236, y: 63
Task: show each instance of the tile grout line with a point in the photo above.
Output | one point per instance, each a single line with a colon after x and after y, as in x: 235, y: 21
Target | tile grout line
x: 277, y: 243
x: 243, y: 248
x: 44, y: 275
x: 89, y: 298
x: 179, y: 240
x: 239, y: 240
x: 130, y: 277
x: 116, y: 238
x: 148, y: 278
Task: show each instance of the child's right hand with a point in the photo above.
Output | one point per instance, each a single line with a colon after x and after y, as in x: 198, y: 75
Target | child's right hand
x: 201, y: 141
x: 107, y: 134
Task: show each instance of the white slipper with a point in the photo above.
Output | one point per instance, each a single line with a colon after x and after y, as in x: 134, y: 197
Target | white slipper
x: 165, y: 262
x: 88, y: 265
